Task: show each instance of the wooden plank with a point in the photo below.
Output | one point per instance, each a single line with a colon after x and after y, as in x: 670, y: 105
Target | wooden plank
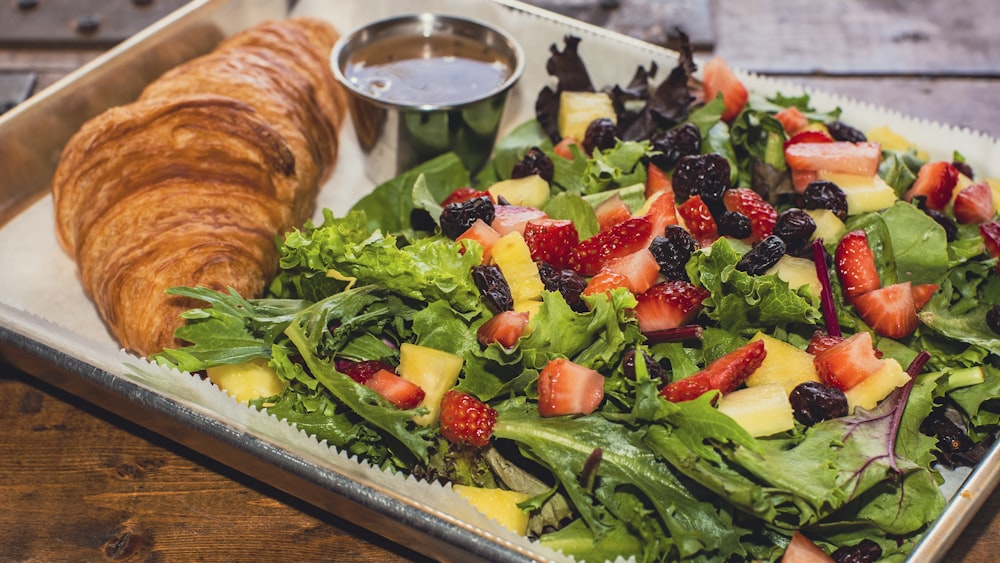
x: 78, y: 23
x: 15, y: 87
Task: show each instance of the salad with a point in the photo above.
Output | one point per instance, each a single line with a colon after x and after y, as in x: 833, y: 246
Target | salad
x: 671, y: 320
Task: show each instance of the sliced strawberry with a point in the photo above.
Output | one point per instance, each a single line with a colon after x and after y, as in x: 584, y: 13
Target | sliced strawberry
x: 565, y: 388
x: 465, y: 194
x: 466, y: 419
x: 612, y: 211
x: 698, y: 220
x: 361, y: 371
x: 843, y: 157
x: 657, y: 180
x: 551, y: 241
x: 792, y: 120
x: 802, y: 550
x: 619, y: 240
x: 398, y: 391
x: 661, y: 211
x: 506, y: 327
x: 483, y: 234
x: 603, y: 281
x: 718, y: 78
x: 802, y: 178
x: 922, y: 293
x: 974, y: 204
x: 640, y: 270
x: 749, y: 204
x: 822, y: 341
x: 848, y: 363
x: 563, y: 149
x: 991, y: 238
x: 725, y: 374
x: 935, y: 182
x: 890, y: 310
x: 855, y: 264
x: 810, y: 136
x: 668, y: 304
x: 510, y: 218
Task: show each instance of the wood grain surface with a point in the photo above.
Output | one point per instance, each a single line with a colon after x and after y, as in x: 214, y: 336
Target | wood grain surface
x: 80, y: 484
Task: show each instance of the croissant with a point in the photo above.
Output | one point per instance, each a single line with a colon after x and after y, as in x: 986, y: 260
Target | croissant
x: 191, y: 184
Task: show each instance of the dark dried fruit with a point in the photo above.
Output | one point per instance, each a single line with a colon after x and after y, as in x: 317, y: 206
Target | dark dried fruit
x: 493, y: 287
x: 866, y: 551
x: 534, y: 162
x: 823, y: 194
x: 567, y: 282
x: 456, y: 218
x: 813, y: 402
x: 949, y: 226
x: 734, y: 224
x: 653, y: 368
x: 672, y: 251
x: 795, y: 227
x: 964, y: 168
x: 702, y: 173
x: 601, y: 134
x: 951, y: 437
x: 674, y: 144
x: 761, y: 257
x: 993, y: 319
x: 841, y: 131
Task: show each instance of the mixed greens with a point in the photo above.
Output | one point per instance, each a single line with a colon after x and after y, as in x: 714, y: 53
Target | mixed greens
x: 640, y: 476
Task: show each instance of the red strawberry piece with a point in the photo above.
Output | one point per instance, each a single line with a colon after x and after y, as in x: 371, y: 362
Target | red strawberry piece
x: 855, y: 264
x: 810, y: 136
x: 991, y: 238
x: 563, y: 149
x: 510, y: 218
x: 612, y: 211
x: 662, y: 212
x: 551, y: 241
x: 398, y: 391
x: 849, y: 362
x: 465, y: 194
x: 698, y: 220
x: 657, y: 181
x: 974, y: 204
x: 565, y: 388
x: 668, y: 304
x: 792, y: 120
x: 749, y: 204
x: 361, y: 371
x: 802, y: 550
x: 843, y: 157
x: 483, y: 234
x: 619, y: 240
x: 603, y: 281
x: 504, y: 327
x: 822, y: 341
x: 890, y: 310
x: 922, y: 293
x: 640, y: 270
x: 465, y: 419
x: 935, y: 182
x: 718, y: 78
x: 802, y: 178
x: 725, y: 374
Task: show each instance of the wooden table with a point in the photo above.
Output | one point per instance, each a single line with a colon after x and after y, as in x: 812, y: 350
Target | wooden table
x: 80, y: 484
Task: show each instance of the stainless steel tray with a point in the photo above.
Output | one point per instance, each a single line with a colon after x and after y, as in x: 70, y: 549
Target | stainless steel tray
x: 56, y: 341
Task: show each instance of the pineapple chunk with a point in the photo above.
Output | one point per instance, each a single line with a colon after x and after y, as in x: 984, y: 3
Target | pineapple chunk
x: 829, y: 227
x: 864, y: 193
x: 578, y: 109
x: 512, y: 255
x: 797, y: 272
x: 434, y: 371
x: 876, y: 386
x: 247, y: 381
x: 994, y: 184
x: 784, y: 365
x: 761, y: 411
x: 529, y: 191
x: 892, y: 141
x: 499, y: 505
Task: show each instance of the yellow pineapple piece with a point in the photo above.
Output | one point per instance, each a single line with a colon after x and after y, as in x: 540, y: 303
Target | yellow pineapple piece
x: 512, y: 255
x: 784, y: 365
x: 797, y: 272
x: 876, y: 386
x: 434, y: 371
x: 498, y: 504
x: 762, y: 410
x: 864, y: 193
x: 530, y: 191
x: 892, y: 141
x: 994, y: 184
x: 247, y: 381
x: 578, y: 109
x: 829, y: 227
